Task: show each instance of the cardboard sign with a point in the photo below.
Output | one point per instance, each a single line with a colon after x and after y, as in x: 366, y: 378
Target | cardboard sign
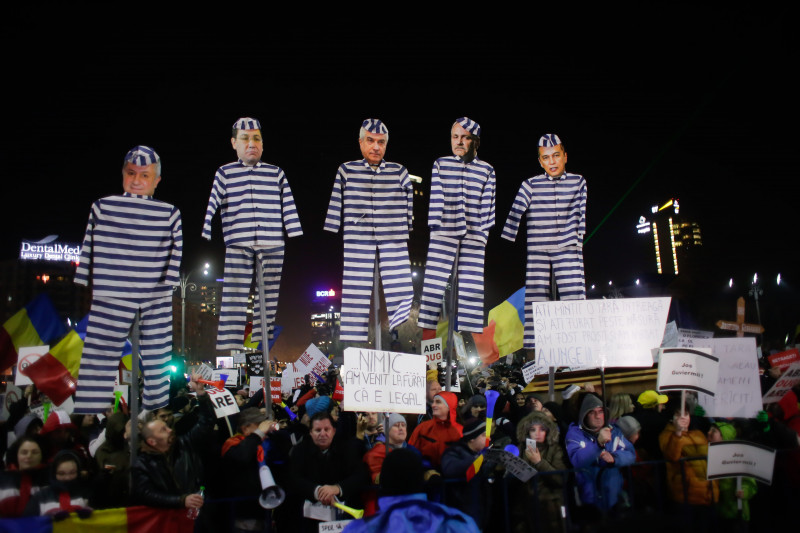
x: 292, y: 379
x: 276, y: 390
x: 689, y: 338
x: 231, y: 376
x: 516, y: 466
x: 738, y: 389
x: 205, y: 371
x: 239, y: 358
x: 312, y: 361
x: 687, y: 369
x: 375, y: 380
x: 223, y: 402
x: 26, y: 356
x: 737, y: 458
x: 787, y: 381
x: 599, y: 333
x: 785, y: 359
x: 432, y: 350
x: 333, y: 527
x: 531, y: 370
x: 670, y: 339
x: 256, y: 383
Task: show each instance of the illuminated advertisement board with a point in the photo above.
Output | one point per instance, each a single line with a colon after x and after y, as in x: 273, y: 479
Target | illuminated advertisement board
x: 48, y: 249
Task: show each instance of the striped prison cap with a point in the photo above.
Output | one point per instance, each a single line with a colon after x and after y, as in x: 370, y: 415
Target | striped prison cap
x: 142, y: 155
x: 373, y: 125
x: 247, y: 123
x: 470, y: 125
x: 548, y: 140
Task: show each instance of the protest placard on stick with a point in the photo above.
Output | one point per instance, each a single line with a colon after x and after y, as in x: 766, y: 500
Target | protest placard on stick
x: 687, y: 369
x: 737, y: 458
x: 738, y: 388
x: 787, y: 382
x: 376, y: 380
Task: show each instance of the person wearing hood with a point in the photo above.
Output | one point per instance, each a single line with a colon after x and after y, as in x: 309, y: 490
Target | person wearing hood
x: 729, y: 496
x: 546, y: 456
x: 67, y: 491
x: 594, y: 447
x: 432, y: 436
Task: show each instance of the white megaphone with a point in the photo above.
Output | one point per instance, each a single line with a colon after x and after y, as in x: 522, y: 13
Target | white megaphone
x: 271, y: 494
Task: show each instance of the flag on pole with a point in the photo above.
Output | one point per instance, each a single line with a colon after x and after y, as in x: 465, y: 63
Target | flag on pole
x: 35, y: 324
x: 56, y: 372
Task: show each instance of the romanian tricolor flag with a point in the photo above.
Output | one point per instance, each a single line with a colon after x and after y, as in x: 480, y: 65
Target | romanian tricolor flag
x: 248, y: 337
x: 35, y: 324
x: 509, y: 320
x: 56, y: 372
x: 128, y: 520
x: 491, y: 400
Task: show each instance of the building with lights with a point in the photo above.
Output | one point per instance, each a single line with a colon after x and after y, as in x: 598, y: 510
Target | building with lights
x: 326, y: 308
x: 675, y: 238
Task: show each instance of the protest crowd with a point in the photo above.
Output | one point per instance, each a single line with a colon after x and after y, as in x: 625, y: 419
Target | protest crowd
x: 599, y: 462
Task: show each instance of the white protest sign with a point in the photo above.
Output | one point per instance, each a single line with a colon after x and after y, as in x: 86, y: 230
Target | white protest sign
x: 787, y: 381
x: 738, y: 458
x: 738, y: 389
x: 432, y: 350
x: 26, y: 356
x: 239, y: 358
x: 333, y: 527
x: 670, y: 339
x: 617, y: 332
x: 375, y: 380
x: 692, y: 338
x: 461, y: 349
x: 516, y: 466
x: 256, y: 383
x: 687, y: 369
x: 291, y: 378
x: 223, y: 402
x: 229, y: 373
x: 205, y: 371
x: 12, y: 395
x: 531, y: 370
x: 312, y: 361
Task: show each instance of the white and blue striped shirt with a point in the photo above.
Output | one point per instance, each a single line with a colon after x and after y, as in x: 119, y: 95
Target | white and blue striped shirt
x: 462, y: 200
x: 555, y: 210
x: 255, y: 203
x: 132, y: 248
x: 377, y: 204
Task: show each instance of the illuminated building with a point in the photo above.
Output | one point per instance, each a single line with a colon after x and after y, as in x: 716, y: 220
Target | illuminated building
x: 674, y: 237
x: 325, y: 318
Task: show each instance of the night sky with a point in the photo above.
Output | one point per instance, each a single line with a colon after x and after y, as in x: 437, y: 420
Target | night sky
x: 690, y: 102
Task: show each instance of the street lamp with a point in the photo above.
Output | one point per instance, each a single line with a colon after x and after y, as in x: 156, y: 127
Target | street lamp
x: 186, y: 284
x: 755, y: 292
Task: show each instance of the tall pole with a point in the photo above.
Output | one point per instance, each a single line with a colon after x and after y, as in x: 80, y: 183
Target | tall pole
x: 376, y: 306
x: 134, y: 399
x: 451, y: 322
x: 193, y: 287
x: 262, y: 310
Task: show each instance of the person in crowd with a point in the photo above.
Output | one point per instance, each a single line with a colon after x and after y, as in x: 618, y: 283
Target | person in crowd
x: 26, y: 475
x: 546, y: 455
x: 168, y: 471
x: 404, y: 506
x: 729, y: 495
x: 432, y: 436
x: 474, y: 409
x: 67, y: 491
x: 113, y: 457
x: 619, y: 405
x: 593, y: 447
x: 650, y: 413
x: 369, y: 430
x: 323, y: 469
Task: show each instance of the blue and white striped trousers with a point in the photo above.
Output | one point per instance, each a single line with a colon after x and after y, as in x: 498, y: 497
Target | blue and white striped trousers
x: 441, y: 255
x: 240, y: 266
x: 110, y: 321
x: 358, y: 281
x: 567, y: 264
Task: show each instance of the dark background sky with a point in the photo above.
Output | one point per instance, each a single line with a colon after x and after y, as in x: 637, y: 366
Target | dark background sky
x: 682, y: 101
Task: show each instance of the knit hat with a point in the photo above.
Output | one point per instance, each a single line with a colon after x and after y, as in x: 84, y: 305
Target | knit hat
x: 629, y: 426
x: 474, y: 428
x: 318, y: 405
x: 548, y: 140
x: 401, y: 473
x: 392, y: 419
x: 142, y: 156
x: 651, y: 398
x: 247, y: 123
x: 478, y: 400
x: 373, y: 125
x: 470, y: 125
x: 727, y: 431
x: 432, y: 375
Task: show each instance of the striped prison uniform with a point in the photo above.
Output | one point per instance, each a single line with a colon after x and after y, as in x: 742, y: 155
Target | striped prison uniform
x: 377, y: 207
x: 460, y: 214
x: 556, y: 223
x: 256, y: 205
x: 131, y: 253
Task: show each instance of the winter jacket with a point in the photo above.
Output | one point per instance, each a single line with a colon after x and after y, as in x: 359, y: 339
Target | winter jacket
x: 692, y: 443
x: 411, y: 513
x: 432, y: 436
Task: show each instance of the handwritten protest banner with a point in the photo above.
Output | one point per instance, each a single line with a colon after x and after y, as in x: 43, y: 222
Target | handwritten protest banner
x: 205, y: 371
x: 738, y: 389
x: 223, y: 402
x: 599, y: 333
x: 432, y: 350
x: 375, y: 380
x: 737, y: 458
x: 687, y: 369
x: 783, y: 360
x: 275, y: 388
x: 312, y: 361
x: 531, y: 370
x: 292, y: 378
x: 787, y: 381
x: 689, y: 338
x: 516, y: 466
